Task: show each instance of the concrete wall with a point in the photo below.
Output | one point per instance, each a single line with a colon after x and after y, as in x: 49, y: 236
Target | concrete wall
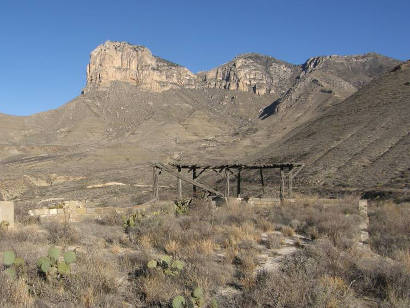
x: 76, y: 213
x: 7, y: 212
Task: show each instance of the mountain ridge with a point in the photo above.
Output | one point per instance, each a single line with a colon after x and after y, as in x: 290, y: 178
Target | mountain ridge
x: 120, y: 123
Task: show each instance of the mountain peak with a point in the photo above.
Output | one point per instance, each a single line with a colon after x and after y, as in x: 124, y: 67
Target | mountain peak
x: 122, y: 61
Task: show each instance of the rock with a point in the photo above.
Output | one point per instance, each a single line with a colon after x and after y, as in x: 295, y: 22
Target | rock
x: 252, y: 73
x: 121, y: 61
x: 338, y: 76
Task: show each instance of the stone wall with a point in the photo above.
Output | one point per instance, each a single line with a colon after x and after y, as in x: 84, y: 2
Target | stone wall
x: 7, y: 212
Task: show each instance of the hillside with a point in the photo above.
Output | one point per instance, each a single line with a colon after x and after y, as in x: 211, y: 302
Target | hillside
x: 137, y: 108
x: 362, y: 141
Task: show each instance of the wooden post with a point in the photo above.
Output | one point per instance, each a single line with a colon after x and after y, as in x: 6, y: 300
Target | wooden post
x: 290, y: 185
x: 238, y: 184
x: 179, y: 185
x: 194, y: 177
x: 262, y: 181
x: 227, y: 189
x: 155, y: 187
x: 282, y: 184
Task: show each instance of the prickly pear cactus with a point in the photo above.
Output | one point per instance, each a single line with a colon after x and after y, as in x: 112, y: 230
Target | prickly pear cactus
x: 152, y: 264
x: 63, y: 268
x: 52, y: 267
x: 166, y: 261
x: 9, y: 257
x: 54, y: 254
x: 198, y: 297
x: 44, y: 264
x: 69, y: 257
x: 14, y: 265
x: 178, y: 265
x: 178, y: 302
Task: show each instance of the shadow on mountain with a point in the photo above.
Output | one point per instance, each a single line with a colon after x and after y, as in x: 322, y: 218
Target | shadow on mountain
x: 269, y: 110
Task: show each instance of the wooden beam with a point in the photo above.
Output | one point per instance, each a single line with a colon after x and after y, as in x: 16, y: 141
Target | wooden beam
x: 227, y: 188
x: 179, y: 185
x: 155, y: 186
x: 172, y: 172
x: 262, y: 181
x: 290, y: 185
x: 238, y: 184
x: 194, y: 178
x: 282, y: 184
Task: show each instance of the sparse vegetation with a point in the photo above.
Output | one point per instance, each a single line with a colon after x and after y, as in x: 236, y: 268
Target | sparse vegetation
x: 211, y: 257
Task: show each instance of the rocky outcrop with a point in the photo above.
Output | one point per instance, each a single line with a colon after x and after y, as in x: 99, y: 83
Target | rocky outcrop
x: 252, y: 72
x: 339, y: 76
x: 120, y: 61
x: 356, y: 70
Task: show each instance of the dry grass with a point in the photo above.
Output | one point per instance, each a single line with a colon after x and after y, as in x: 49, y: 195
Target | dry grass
x: 287, y: 231
x: 14, y: 292
x: 220, y: 248
x: 390, y: 228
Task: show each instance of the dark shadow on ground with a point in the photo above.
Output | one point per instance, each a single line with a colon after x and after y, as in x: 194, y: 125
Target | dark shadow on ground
x: 269, y: 110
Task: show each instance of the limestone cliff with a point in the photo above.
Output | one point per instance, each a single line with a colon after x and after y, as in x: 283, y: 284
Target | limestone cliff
x: 120, y: 61
x: 252, y: 72
x: 338, y: 76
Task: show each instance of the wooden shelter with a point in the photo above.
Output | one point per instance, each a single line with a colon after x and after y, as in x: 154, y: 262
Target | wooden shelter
x: 287, y: 171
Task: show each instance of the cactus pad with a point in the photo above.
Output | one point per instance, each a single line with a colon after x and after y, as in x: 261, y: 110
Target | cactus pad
x: 198, y: 293
x: 152, y: 264
x: 45, y: 266
x: 8, y: 257
x: 166, y: 260
x: 19, y: 262
x: 69, y: 257
x: 178, y: 302
x: 63, y: 268
x: 54, y: 253
x: 177, y: 264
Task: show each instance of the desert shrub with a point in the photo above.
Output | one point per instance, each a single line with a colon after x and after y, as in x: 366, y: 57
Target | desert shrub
x: 389, y: 228
x: 339, y: 222
x: 273, y: 241
x: 309, y: 278
x: 62, y: 233
x: 112, y: 219
x: 14, y: 292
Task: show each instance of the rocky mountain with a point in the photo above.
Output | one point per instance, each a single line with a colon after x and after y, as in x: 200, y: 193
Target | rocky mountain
x: 120, y: 61
x: 362, y: 141
x: 137, y: 108
x: 339, y: 76
x: 252, y: 72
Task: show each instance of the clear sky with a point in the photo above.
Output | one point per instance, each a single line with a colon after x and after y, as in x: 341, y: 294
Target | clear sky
x: 45, y: 44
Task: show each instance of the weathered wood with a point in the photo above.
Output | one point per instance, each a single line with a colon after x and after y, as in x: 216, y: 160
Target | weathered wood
x: 188, y: 180
x: 194, y: 178
x: 290, y: 185
x: 262, y: 181
x: 241, y: 166
x: 238, y: 184
x: 282, y: 184
x: 155, y: 188
x: 292, y: 174
x: 179, y: 185
x: 227, y: 189
x: 294, y: 169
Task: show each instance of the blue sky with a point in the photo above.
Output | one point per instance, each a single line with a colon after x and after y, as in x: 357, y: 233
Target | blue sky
x: 45, y: 45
